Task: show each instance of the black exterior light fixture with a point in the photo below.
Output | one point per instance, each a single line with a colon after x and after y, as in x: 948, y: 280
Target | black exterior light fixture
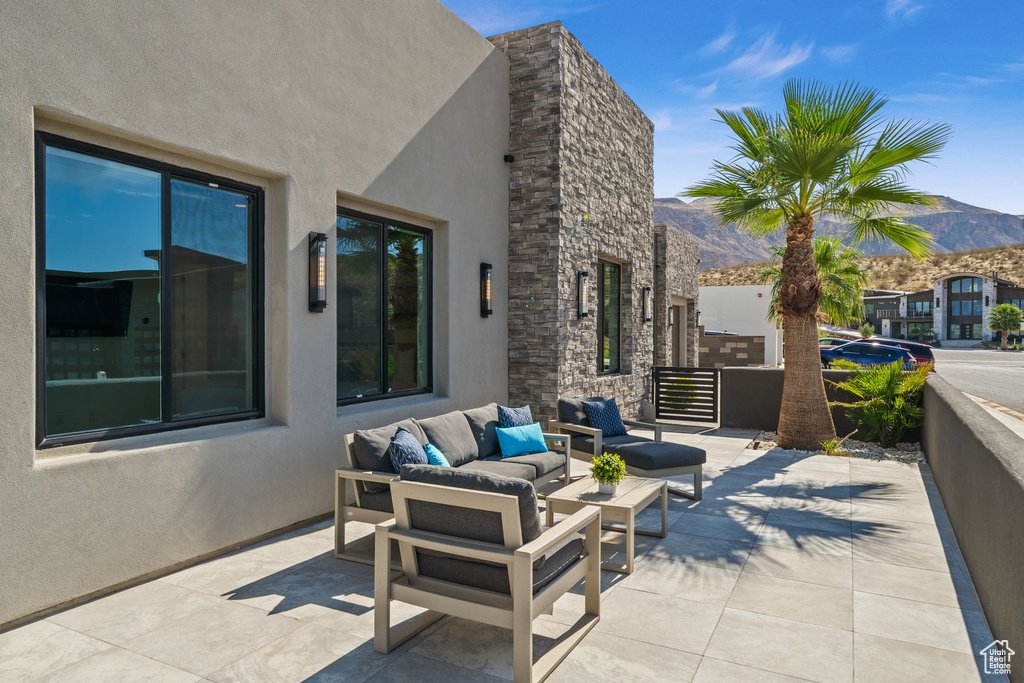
x: 485, y: 290
x: 582, y: 304
x: 646, y: 299
x: 317, y: 272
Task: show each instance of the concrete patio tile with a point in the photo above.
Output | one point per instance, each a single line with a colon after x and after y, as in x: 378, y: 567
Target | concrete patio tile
x: 910, y: 621
x: 482, y: 648
x: 410, y: 667
x: 658, y: 619
x: 796, y: 600
x: 903, y: 531
x: 743, y: 529
x: 799, y: 565
x: 41, y: 648
x: 205, y: 641
x: 783, y: 646
x: 775, y: 458
x: 299, y: 548
x: 806, y: 539
x: 603, y: 657
x: 907, y: 554
x: 718, y: 671
x: 125, y: 615
x: 834, y: 507
x: 229, y: 573
x: 825, y: 518
x: 923, y: 585
x: 864, y: 511
x: 711, y: 552
x: 353, y: 613
x: 117, y: 664
x: 682, y: 580
x: 881, y: 659
x: 825, y: 464
x: 731, y: 503
x: 311, y: 652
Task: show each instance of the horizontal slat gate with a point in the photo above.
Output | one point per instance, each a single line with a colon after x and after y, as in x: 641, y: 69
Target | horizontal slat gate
x: 689, y: 394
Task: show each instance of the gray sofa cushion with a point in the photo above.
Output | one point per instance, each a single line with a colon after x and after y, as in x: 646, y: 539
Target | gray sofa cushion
x: 482, y: 422
x: 543, y: 463
x: 494, y: 577
x: 377, y: 500
x: 586, y: 443
x: 476, y: 524
x: 451, y: 434
x: 502, y: 468
x: 370, y: 447
x: 658, y: 455
x: 570, y: 410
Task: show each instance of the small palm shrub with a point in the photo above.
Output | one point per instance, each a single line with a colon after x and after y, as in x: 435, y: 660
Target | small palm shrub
x: 866, y: 330
x: 888, y: 399
x: 608, y: 468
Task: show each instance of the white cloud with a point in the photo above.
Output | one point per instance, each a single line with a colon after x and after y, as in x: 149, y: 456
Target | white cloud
x: 766, y: 58
x: 720, y: 43
x: 707, y: 91
x: 902, y: 9
x: 839, y: 53
x: 662, y: 121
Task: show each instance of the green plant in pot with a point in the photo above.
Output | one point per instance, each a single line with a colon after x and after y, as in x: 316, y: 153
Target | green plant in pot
x: 607, y: 470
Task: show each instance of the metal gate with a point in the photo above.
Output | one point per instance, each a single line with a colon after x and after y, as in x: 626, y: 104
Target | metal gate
x: 689, y: 394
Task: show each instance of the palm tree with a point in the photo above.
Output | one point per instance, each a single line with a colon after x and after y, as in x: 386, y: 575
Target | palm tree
x: 1004, y: 318
x: 843, y: 281
x: 828, y: 152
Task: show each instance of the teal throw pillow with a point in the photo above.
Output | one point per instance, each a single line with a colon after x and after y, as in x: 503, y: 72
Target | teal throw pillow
x: 521, y: 440
x: 435, y: 456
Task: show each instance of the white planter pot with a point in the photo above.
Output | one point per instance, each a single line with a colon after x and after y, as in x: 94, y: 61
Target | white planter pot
x: 605, y: 488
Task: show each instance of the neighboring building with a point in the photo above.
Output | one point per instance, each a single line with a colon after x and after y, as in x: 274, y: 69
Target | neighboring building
x: 880, y: 305
x: 955, y: 311
x: 742, y: 310
x: 169, y: 391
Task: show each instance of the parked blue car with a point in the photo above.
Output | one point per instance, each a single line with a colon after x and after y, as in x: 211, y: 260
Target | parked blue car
x: 867, y: 353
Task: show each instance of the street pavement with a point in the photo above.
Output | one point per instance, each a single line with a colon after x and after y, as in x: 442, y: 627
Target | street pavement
x: 993, y: 375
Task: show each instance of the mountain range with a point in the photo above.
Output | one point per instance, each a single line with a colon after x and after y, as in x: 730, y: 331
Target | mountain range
x: 955, y: 226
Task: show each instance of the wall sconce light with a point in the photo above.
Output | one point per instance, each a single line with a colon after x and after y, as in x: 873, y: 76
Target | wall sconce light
x: 485, y: 290
x: 583, y: 306
x: 986, y: 300
x: 937, y: 301
x: 646, y: 297
x: 317, y: 272
x: 671, y: 316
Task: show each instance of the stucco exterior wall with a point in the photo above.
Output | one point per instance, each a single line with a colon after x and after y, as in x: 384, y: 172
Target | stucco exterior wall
x: 395, y: 108
x: 582, y: 190
x: 675, y: 277
x: 742, y: 310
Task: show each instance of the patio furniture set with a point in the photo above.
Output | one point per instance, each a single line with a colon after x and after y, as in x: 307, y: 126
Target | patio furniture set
x: 466, y: 539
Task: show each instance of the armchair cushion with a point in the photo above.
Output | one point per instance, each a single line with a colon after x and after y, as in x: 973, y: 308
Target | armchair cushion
x: 483, y: 422
x: 370, y: 448
x: 542, y: 463
x: 584, y: 443
x: 452, y: 436
x: 406, y: 450
x: 475, y: 524
x: 570, y: 410
x: 514, y: 417
x: 377, y: 500
x: 658, y: 455
x: 605, y: 415
x: 503, y: 467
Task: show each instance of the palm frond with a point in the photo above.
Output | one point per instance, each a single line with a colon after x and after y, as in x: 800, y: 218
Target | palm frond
x: 915, y: 241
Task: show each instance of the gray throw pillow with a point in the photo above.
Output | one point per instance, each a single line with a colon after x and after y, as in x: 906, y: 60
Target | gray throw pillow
x: 406, y: 450
x: 514, y: 417
x: 604, y: 415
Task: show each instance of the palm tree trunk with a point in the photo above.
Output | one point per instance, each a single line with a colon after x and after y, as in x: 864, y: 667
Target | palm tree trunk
x: 1002, y: 346
x: 804, y: 418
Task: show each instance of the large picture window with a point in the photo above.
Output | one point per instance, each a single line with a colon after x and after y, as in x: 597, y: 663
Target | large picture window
x: 384, y: 308
x: 150, y: 318
x: 609, y: 298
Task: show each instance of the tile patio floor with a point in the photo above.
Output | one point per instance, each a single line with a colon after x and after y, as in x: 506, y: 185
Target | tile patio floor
x: 815, y: 568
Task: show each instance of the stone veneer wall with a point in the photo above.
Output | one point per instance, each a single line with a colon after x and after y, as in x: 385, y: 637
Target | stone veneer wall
x: 722, y: 351
x: 675, y: 275
x: 582, y: 148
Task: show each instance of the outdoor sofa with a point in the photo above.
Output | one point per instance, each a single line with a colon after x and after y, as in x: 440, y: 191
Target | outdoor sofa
x: 468, y: 440
x: 472, y: 545
x: 643, y: 457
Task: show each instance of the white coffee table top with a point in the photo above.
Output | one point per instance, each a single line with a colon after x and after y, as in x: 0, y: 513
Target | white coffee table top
x: 629, y: 493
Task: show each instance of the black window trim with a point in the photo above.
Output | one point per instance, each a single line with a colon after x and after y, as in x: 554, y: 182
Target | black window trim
x: 168, y: 171
x: 382, y: 289
x: 601, y: 263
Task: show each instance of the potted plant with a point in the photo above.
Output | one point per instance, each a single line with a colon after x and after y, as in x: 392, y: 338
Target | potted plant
x: 607, y: 470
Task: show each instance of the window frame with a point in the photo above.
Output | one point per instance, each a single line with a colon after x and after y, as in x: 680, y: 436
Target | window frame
x: 257, y: 256
x: 382, y: 291
x: 601, y: 265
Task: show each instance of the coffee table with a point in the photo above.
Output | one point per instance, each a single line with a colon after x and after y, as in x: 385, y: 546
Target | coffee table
x: 618, y: 510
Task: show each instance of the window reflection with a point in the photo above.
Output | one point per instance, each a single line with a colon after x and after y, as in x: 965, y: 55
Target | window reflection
x: 103, y: 336
x: 358, y: 295
x: 609, y: 298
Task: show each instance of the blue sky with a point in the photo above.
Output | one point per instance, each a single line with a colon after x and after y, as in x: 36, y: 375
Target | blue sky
x: 948, y: 61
